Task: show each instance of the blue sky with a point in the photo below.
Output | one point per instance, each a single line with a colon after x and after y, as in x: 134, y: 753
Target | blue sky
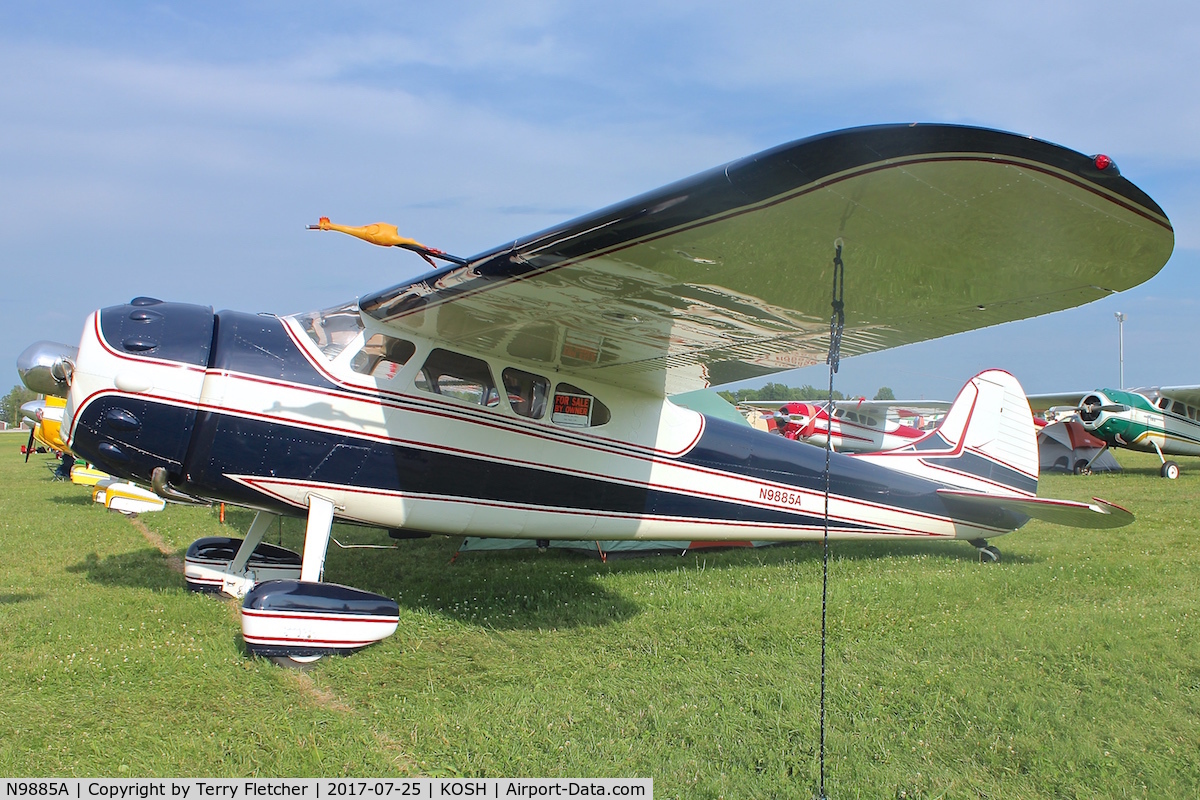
x: 177, y: 150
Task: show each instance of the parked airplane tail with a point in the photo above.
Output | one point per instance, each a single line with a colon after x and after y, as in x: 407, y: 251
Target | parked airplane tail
x: 986, y: 443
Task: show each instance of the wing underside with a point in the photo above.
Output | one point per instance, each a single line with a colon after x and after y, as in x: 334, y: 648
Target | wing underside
x: 728, y: 275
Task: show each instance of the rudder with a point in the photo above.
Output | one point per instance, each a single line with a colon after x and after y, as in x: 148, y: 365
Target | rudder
x: 986, y: 442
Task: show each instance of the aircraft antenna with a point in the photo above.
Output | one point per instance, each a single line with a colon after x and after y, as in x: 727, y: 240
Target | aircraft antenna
x: 837, y: 321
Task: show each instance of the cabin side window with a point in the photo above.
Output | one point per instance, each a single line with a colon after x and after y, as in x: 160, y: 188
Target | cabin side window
x: 458, y: 376
x: 382, y: 356
x: 1163, y: 403
x: 1178, y: 408
x: 526, y: 392
x: 575, y: 408
x: 332, y: 329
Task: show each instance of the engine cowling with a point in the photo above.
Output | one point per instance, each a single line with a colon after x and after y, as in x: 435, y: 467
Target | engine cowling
x: 136, y: 385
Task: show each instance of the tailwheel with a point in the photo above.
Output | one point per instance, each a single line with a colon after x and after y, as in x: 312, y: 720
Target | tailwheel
x: 988, y: 554
x: 1170, y: 470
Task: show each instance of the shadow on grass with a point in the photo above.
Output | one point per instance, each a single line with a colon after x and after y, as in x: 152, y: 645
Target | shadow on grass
x: 73, y: 500
x: 141, y: 569
x: 12, y: 598
x: 527, y: 589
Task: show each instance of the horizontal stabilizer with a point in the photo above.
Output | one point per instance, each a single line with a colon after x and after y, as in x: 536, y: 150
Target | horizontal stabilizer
x: 1097, y: 514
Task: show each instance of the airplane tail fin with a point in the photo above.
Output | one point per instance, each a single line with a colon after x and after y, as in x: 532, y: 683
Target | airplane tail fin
x: 986, y: 443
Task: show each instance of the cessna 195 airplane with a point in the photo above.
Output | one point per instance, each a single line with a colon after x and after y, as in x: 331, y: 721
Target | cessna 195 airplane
x: 858, y: 426
x: 1162, y: 420
x: 523, y: 392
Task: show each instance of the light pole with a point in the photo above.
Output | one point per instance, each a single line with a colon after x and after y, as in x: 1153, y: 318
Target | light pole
x: 1121, y: 344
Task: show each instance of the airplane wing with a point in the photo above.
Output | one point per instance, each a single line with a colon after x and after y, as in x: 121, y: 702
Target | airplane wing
x: 771, y: 405
x: 877, y: 406
x: 1097, y: 514
x: 728, y: 274
x: 1042, y: 402
x: 884, y: 406
x: 1189, y: 395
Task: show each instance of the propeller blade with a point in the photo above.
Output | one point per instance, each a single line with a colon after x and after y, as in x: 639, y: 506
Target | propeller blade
x: 29, y: 447
x: 1111, y: 408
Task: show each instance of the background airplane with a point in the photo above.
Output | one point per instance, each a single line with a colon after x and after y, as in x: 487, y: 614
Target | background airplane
x: 524, y: 392
x: 1162, y: 420
x: 857, y: 426
x: 46, y: 417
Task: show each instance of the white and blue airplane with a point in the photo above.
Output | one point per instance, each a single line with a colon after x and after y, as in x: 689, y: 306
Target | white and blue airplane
x: 523, y: 392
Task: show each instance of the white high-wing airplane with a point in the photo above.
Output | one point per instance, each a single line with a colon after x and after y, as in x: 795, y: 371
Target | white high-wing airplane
x: 523, y: 392
x: 857, y: 426
x: 1162, y: 420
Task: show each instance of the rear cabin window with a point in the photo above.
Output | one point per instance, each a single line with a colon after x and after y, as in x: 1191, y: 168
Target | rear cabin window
x: 575, y: 408
x: 458, y: 376
x: 382, y: 356
x: 526, y: 392
x: 332, y: 329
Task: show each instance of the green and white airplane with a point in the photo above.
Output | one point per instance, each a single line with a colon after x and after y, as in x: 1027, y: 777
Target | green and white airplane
x: 1164, y: 420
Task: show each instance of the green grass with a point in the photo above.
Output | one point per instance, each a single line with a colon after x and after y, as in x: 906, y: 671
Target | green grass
x: 1071, y: 669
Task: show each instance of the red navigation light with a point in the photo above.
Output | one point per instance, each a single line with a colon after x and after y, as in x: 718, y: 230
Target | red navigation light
x: 1102, y: 162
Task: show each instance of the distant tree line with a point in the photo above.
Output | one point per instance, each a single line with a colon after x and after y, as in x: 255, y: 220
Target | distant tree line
x: 13, y: 401
x: 777, y: 391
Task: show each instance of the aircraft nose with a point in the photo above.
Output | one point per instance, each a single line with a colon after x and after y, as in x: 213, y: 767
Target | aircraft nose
x: 137, y: 385
x: 46, y: 367
x: 1090, y: 408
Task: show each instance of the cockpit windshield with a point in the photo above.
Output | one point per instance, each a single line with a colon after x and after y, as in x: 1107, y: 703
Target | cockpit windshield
x: 332, y: 329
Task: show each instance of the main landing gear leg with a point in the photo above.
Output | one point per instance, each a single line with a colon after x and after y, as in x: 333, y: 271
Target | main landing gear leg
x: 312, y: 567
x: 1086, y: 469
x: 238, y: 580
x: 987, y: 553
x: 316, y: 538
x: 1169, y: 470
x: 231, y: 566
x: 296, y: 622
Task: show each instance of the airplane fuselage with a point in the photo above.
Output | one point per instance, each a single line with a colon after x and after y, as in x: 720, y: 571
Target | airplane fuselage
x: 849, y: 431
x: 260, y: 411
x: 1143, y: 424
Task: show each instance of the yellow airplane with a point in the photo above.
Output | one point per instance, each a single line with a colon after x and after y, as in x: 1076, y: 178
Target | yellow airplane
x: 46, y: 416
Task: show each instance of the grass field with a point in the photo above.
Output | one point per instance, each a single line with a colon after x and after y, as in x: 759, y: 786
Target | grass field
x: 1071, y: 669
